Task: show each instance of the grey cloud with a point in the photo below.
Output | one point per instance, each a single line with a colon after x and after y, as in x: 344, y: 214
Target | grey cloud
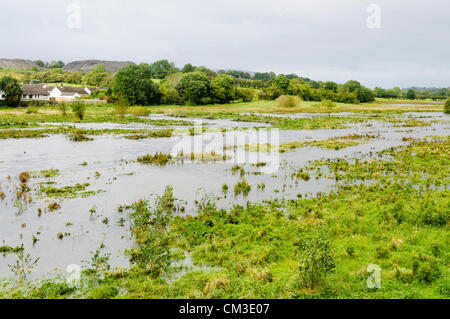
x: 321, y: 39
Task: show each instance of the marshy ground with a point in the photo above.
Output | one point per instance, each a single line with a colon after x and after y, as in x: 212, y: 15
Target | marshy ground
x: 366, y: 184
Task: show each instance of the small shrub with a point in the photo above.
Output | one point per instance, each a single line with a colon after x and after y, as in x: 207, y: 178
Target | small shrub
x: 447, y: 107
x: 159, y: 159
x: 63, y: 108
x: 245, y: 95
x: 288, y: 101
x: 107, y: 292
x: 99, y: 262
x: 77, y: 136
x: 242, y: 187
x: 32, y: 110
x: 316, y: 261
x: 426, y: 271
x: 149, y: 226
x: 121, y: 107
x: 328, y: 104
x: 139, y: 111
x: 79, y: 109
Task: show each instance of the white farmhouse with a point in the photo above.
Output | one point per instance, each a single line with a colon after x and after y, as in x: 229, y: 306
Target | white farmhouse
x: 36, y: 92
x: 68, y: 93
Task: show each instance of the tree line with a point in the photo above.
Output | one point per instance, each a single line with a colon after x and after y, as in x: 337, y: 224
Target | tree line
x: 162, y: 82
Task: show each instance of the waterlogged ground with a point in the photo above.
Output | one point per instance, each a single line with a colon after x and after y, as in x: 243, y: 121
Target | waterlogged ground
x: 63, y: 226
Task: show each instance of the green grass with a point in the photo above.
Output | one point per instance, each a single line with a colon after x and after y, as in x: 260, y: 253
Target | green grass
x: 76, y: 191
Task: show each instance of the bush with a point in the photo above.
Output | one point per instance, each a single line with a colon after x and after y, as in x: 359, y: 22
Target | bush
x: 121, y: 106
x: 139, y: 111
x: 79, y: 109
x: 447, y: 107
x: 288, y: 101
x: 150, y: 227
x: 63, y: 108
x: 316, y: 261
x: 245, y: 95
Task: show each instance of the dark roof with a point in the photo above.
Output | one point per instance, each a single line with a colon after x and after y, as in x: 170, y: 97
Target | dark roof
x: 35, y: 89
x: 72, y: 89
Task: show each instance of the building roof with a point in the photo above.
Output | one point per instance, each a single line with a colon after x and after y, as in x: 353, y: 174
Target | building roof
x: 72, y: 90
x: 35, y: 89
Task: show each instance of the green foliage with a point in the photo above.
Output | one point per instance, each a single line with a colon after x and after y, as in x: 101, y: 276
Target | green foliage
x: 330, y: 86
x: 328, y: 104
x: 99, y: 262
x: 281, y: 82
x: 288, y: 101
x: 52, y: 290
x: 223, y: 88
x: 79, y: 109
x: 316, y: 260
x: 447, y: 107
x: 168, y: 89
x: 121, y: 106
x: 242, y: 187
x: 188, y: 68
x: 195, y: 88
x: 411, y: 94
x: 158, y: 159
x: 12, y: 90
x: 160, y: 69
x: 134, y: 82
x: 149, y: 225
x: 24, y: 265
x: 245, y: 95
x: 98, y: 76
x: 63, y: 108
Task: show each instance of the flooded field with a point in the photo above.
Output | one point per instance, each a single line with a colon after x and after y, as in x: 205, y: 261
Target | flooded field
x: 74, y: 189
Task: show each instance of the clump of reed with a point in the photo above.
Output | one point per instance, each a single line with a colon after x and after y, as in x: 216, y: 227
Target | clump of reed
x: 158, y: 159
x: 242, y: 187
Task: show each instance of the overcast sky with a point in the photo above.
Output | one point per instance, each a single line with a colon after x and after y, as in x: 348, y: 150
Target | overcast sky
x: 319, y: 39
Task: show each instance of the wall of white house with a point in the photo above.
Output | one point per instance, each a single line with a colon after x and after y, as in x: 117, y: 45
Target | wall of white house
x: 35, y: 97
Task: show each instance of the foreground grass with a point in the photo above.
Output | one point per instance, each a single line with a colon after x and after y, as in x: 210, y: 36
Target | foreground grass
x: 392, y: 212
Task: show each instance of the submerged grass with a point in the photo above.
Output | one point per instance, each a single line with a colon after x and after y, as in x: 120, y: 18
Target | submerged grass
x: 75, y: 191
x: 336, y: 143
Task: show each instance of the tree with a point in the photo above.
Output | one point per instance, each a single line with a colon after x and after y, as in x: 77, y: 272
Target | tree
x: 411, y: 94
x: 135, y: 84
x: 96, y: 76
x: 352, y: 85
x: 281, y: 82
x: 188, y: 68
x: 12, y: 90
x: 195, y: 88
x: 39, y: 63
x: 365, y: 95
x: 223, y: 88
x: 56, y: 65
x: 161, y: 68
x: 168, y: 89
x: 330, y: 86
x: 264, y: 76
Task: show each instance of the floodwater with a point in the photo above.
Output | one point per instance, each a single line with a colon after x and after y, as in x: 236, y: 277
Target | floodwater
x: 110, y: 168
